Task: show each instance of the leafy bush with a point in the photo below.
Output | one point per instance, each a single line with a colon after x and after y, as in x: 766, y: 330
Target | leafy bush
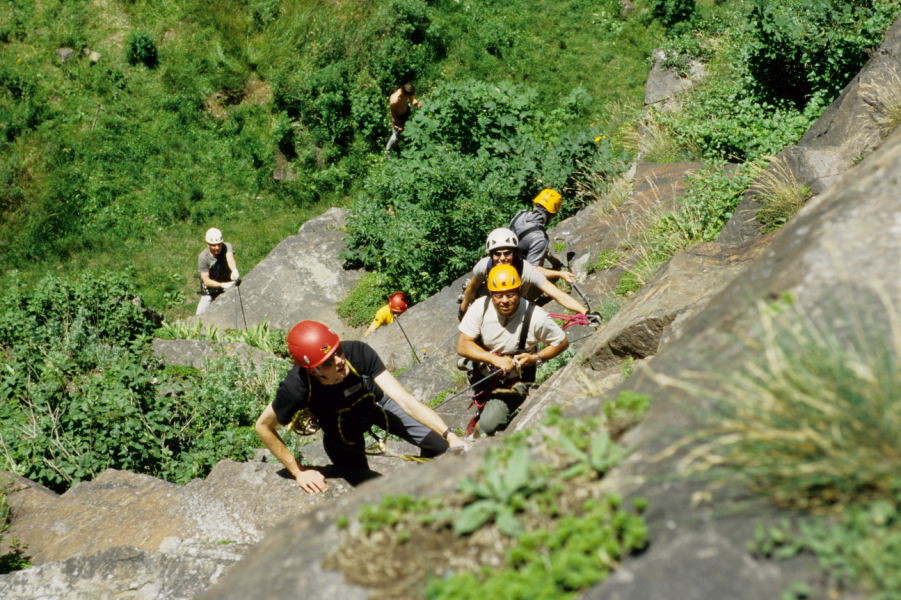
x: 140, y: 49
x: 471, y: 157
x: 804, y: 48
x: 81, y: 390
x: 780, y: 65
x: 672, y: 12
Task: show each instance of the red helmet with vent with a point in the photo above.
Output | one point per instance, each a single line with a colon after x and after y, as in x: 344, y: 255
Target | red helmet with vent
x: 311, y: 343
x: 398, y: 302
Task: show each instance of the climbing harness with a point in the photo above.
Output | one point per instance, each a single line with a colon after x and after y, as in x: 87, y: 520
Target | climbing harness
x: 487, y: 386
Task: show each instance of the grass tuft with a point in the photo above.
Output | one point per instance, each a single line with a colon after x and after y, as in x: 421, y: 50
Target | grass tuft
x: 781, y: 193
x: 814, y: 421
x: 884, y: 99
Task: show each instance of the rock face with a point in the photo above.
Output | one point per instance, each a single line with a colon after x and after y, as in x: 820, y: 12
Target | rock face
x: 124, y: 535
x: 837, y: 258
x: 193, y: 353
x: 302, y: 278
x: 245, y: 531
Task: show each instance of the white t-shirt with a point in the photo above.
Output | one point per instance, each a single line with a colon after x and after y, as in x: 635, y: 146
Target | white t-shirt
x: 501, y: 334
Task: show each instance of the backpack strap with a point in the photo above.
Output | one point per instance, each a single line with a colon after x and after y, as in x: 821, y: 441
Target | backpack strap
x: 524, y: 333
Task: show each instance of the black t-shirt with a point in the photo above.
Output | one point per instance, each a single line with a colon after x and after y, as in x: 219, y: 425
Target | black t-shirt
x: 357, y: 393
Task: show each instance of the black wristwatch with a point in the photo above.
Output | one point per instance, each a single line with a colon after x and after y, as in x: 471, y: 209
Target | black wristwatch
x: 538, y: 360
x: 445, y: 434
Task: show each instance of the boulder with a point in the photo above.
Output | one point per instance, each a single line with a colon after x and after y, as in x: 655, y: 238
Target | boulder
x: 288, y: 563
x: 116, y: 573
x: 664, y: 84
x: 193, y: 353
x: 64, y: 54
x: 301, y: 278
x: 680, y: 289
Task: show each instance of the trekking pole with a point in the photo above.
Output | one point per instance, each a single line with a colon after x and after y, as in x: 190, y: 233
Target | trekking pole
x: 409, y: 343
x: 240, y: 302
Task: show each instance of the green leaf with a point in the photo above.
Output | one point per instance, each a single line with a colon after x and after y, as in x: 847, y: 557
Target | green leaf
x: 517, y: 474
x: 474, y: 516
x: 508, y: 523
x: 570, y: 448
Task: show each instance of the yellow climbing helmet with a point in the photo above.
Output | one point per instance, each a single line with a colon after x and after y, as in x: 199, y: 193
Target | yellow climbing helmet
x: 503, y: 278
x: 550, y: 200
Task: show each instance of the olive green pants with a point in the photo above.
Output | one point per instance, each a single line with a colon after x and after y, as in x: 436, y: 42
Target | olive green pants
x: 500, y: 408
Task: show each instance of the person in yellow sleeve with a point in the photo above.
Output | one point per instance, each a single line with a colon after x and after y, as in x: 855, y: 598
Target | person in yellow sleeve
x: 397, y: 304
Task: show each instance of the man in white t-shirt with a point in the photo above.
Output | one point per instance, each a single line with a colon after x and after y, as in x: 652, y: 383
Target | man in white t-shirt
x: 501, y: 333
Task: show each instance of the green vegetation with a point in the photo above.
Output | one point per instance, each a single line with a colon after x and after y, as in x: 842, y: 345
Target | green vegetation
x: 557, y: 562
x: 775, y: 67
x: 193, y: 108
x: 259, y: 336
x: 391, y: 511
x: 548, y: 368
x: 712, y: 195
x: 368, y: 295
x: 503, y: 492
x: 860, y: 545
x: 624, y: 412
x: 812, y: 421
x: 472, y: 157
x: 816, y: 424
x: 536, y: 510
x: 605, y: 260
x: 15, y: 557
x: 82, y: 392
x: 190, y: 109
x: 781, y: 194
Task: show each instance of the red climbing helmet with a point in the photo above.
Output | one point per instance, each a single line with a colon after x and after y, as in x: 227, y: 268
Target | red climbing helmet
x: 311, y: 343
x: 397, y: 302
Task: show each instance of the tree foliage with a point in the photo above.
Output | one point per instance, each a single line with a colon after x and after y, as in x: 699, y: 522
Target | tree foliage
x: 81, y: 390
x: 471, y: 157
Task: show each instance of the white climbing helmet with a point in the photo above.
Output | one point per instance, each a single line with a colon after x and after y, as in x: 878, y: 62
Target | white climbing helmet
x: 213, y: 236
x: 501, y: 238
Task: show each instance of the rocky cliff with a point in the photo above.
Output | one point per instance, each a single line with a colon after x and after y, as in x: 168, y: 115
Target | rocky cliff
x: 245, y: 531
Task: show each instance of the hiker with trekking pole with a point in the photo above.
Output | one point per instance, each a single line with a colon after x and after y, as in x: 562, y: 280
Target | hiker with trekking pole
x: 499, y: 335
x: 502, y: 249
x: 342, y: 387
x: 216, y: 268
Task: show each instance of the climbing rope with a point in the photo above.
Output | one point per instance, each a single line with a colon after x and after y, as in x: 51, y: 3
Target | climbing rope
x: 589, y: 319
